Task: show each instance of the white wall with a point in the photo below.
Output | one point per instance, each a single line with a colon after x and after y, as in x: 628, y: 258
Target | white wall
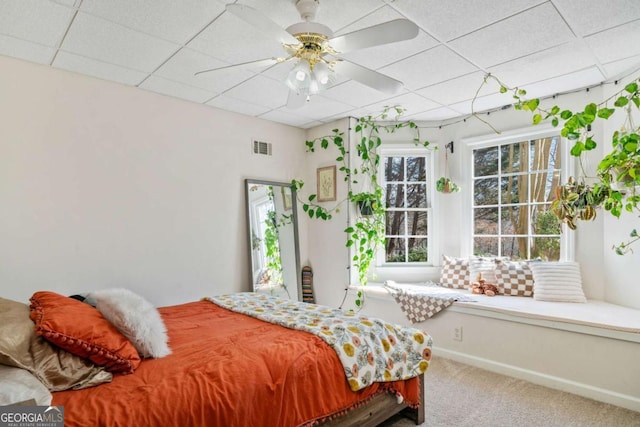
x: 106, y: 185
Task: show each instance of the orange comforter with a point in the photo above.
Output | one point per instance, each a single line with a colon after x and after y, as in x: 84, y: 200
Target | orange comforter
x: 227, y: 369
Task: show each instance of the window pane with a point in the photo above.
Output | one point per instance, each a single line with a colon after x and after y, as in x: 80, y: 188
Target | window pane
x: 546, y: 248
x: 395, y: 223
x: 395, y: 250
x: 514, y: 189
x: 415, y: 169
x: 485, y: 221
x: 543, y: 186
x: 418, y: 250
x: 485, y: 161
x: 417, y: 195
x: 417, y: 223
x: 545, y: 154
x: 514, y: 157
x: 485, y: 191
x: 515, y: 247
x: 544, y: 220
x: 515, y: 220
x: 395, y: 195
x: 485, y: 246
x: 394, y: 169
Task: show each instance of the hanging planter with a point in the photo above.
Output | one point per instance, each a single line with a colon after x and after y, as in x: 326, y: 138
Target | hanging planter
x: 446, y: 185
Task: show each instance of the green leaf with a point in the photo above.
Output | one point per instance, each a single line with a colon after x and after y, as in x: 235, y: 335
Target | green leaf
x: 577, y: 149
x: 324, y: 143
x: 532, y: 104
x: 605, y: 113
x: 554, y: 121
x: 555, y: 110
x: 621, y: 102
x: 537, y: 118
x: 312, y: 197
x: 631, y: 87
x: 589, y: 144
x: 566, y: 114
x: 305, y: 207
x: 348, y: 230
x: 503, y: 89
x: 591, y: 109
x: 311, y: 212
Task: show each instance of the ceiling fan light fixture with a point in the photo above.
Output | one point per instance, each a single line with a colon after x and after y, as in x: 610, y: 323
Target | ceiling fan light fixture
x: 299, y: 77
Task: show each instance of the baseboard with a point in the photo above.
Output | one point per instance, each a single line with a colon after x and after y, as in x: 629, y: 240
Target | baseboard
x: 585, y: 390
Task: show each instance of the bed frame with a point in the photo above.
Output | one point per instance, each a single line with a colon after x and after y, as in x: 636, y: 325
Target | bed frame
x: 379, y: 409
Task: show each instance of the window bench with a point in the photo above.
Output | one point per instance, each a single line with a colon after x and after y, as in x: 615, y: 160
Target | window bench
x: 593, y: 317
x: 590, y: 349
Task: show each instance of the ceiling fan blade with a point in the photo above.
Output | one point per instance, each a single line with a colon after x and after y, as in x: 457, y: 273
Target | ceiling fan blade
x: 251, y: 64
x: 263, y: 24
x: 295, y: 100
x: 376, y: 35
x: 368, y: 77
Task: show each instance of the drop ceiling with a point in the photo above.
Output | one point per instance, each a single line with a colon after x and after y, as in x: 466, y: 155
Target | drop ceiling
x: 546, y: 47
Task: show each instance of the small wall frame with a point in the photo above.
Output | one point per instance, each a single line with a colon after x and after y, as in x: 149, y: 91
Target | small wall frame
x: 326, y: 181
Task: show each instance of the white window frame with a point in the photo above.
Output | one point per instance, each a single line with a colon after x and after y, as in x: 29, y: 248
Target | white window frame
x: 412, y: 272
x: 567, y: 167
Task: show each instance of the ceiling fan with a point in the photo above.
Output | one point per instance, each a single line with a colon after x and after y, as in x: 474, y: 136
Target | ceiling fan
x: 315, y: 52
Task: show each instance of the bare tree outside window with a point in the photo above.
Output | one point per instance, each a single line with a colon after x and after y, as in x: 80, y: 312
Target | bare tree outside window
x: 513, y: 187
x: 407, y: 209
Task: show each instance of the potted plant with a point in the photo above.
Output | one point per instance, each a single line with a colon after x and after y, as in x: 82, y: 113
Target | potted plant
x: 446, y: 185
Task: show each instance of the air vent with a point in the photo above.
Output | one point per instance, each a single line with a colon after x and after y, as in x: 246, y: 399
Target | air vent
x: 261, y: 147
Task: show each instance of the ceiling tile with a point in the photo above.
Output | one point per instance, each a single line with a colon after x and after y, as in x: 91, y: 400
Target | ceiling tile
x: 286, y: 117
x: 262, y: 91
x: 459, y: 89
x: 429, y: 67
x: 184, y: 64
x: 175, y: 89
x: 447, y: 20
x: 437, y: 114
x: 355, y: 92
x: 515, y: 37
x: 411, y: 102
x: 37, y: 21
x: 568, y: 82
x: 234, y: 41
x: 599, y: 15
x: 544, y: 65
x: 624, y: 66
x: 171, y: 20
x: 617, y: 43
x: 231, y: 104
x: 318, y: 105
x: 483, y: 103
x: 17, y: 48
x: 95, y: 68
x: 108, y: 42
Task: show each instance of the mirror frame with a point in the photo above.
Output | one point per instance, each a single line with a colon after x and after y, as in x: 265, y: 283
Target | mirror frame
x: 296, y: 242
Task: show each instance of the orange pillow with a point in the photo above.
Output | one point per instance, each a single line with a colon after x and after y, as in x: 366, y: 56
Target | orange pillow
x: 80, y: 329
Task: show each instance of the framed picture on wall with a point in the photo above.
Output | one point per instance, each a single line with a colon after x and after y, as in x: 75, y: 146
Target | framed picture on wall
x: 327, y: 184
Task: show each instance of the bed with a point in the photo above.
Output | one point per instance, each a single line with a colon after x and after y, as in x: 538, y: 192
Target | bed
x: 227, y: 368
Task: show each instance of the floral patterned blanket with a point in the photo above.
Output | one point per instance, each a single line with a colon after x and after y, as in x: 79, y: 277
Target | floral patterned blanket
x: 371, y: 350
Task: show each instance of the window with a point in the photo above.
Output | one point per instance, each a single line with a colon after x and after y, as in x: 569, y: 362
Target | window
x: 513, y: 186
x: 407, y: 181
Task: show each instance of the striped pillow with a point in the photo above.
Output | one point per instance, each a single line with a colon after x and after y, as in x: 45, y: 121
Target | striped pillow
x: 557, y: 281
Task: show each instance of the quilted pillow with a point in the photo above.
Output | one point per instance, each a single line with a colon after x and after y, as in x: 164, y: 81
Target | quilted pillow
x: 136, y: 318
x: 56, y: 368
x: 80, y: 329
x: 557, y: 281
x: 455, y: 272
x: 514, y: 278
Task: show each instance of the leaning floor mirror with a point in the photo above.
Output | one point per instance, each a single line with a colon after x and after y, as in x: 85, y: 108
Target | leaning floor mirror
x: 273, y: 238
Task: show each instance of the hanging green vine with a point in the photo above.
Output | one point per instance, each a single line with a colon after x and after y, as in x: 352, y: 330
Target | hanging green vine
x: 618, y: 173
x: 366, y: 234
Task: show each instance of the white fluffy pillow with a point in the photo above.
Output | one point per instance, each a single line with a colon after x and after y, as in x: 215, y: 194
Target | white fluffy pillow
x: 557, y: 281
x: 136, y: 318
x: 19, y: 385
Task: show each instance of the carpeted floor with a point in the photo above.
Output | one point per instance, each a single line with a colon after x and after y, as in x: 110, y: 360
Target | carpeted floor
x: 460, y: 395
